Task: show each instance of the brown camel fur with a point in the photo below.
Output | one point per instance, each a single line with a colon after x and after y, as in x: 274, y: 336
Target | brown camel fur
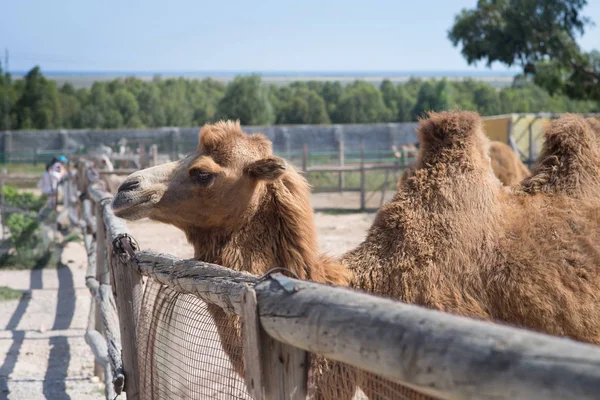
x: 453, y: 239
x: 240, y: 207
x: 595, y: 125
x: 506, y: 164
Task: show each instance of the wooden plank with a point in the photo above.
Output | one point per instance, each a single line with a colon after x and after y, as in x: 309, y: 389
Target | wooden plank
x: 212, y: 283
x: 98, y: 345
x: 89, y: 219
x: 305, y: 157
x: 97, y: 194
x: 113, y: 339
x: 153, y: 155
x: 285, y: 374
x: 253, y: 367
x: 127, y: 287
x: 363, y: 188
x: 101, y: 272
x: 439, y: 354
x: 341, y: 161
x: 273, y: 370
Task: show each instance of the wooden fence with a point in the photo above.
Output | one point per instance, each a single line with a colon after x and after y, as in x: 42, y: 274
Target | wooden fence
x: 445, y: 356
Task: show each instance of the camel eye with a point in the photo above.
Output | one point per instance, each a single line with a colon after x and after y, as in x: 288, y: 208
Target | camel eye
x: 201, y: 176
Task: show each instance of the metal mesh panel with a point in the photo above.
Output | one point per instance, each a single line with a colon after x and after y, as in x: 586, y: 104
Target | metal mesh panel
x: 186, y: 348
x: 332, y: 380
x: 189, y: 349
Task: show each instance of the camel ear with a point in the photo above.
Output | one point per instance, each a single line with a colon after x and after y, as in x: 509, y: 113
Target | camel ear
x: 266, y: 169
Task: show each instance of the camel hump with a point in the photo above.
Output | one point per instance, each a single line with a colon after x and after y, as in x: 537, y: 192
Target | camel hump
x: 453, y: 138
x: 570, y: 135
x: 449, y: 127
x: 568, y: 162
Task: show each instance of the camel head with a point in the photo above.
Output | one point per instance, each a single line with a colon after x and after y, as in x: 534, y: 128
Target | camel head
x: 217, y: 186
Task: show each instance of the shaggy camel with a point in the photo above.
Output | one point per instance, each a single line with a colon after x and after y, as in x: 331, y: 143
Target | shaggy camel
x: 506, y: 164
x: 453, y: 238
x: 239, y: 206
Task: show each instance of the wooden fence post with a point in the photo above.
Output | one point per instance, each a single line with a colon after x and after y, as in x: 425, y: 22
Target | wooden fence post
x: 274, y: 370
x: 363, y: 205
x: 154, y: 155
x: 341, y: 161
x: 143, y: 156
x: 305, y: 159
x: 2, y: 183
x: 128, y: 291
x: 175, y: 138
x: 101, y: 276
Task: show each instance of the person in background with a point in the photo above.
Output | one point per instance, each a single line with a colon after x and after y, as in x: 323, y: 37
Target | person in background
x: 55, y: 171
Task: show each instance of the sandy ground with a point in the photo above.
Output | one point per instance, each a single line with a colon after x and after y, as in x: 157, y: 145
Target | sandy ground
x: 43, y: 354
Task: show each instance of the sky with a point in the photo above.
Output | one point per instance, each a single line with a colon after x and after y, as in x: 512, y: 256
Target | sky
x: 249, y: 36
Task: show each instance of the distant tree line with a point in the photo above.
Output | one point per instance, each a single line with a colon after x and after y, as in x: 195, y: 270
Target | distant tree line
x: 36, y: 102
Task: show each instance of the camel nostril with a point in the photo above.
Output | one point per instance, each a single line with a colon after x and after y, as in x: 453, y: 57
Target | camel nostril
x: 129, y: 185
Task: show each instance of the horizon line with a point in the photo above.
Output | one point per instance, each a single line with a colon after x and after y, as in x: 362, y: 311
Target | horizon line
x: 283, y: 73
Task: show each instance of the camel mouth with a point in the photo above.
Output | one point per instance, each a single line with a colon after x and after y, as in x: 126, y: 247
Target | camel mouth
x: 131, y: 207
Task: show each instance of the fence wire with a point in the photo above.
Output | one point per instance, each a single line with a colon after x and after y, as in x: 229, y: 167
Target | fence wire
x: 332, y: 380
x: 186, y: 348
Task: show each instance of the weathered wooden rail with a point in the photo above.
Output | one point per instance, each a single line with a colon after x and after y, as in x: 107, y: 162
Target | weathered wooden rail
x: 442, y: 355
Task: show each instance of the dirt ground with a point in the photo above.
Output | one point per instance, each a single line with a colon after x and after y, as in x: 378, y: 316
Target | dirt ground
x: 43, y: 353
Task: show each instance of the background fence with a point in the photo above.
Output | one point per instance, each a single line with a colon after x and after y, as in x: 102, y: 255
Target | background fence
x: 165, y: 328
x: 335, y: 158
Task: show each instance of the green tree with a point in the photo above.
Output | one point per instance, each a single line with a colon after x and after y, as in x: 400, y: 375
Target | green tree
x: 151, y: 109
x: 361, y: 103
x: 128, y: 106
x: 70, y: 107
x: 305, y: 107
x: 538, y: 35
x: 331, y: 93
x: 38, y: 106
x: 390, y: 98
x: 177, y: 108
x: 246, y: 99
x: 13, y: 90
x: 433, y: 96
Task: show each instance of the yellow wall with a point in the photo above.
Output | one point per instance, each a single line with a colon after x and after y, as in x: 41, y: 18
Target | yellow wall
x: 520, y: 133
x: 500, y: 127
x: 496, y: 128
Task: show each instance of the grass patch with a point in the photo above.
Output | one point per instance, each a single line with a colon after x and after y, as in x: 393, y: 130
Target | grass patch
x: 374, y: 180
x: 25, y: 168
x: 8, y: 294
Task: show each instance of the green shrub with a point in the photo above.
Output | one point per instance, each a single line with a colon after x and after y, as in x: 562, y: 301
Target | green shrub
x: 31, y: 242
x: 24, y: 200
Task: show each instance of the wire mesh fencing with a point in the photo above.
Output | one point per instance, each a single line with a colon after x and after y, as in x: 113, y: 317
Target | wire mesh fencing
x: 188, y: 349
